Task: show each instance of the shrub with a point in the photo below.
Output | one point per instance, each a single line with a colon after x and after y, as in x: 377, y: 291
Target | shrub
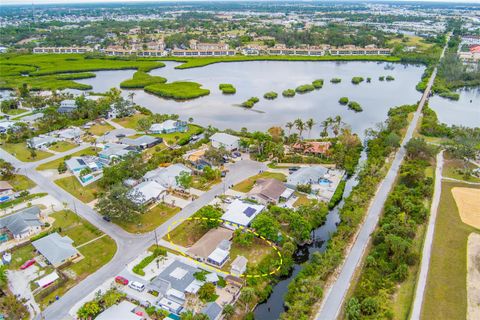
x: 227, y: 88
x: 270, y: 95
x: 306, y: 188
x: 181, y: 90
x: 355, y: 106
x: 369, y: 80
x: 450, y: 95
x: 343, y: 100
x: 357, y: 80
x: 318, y: 84
x: 138, y: 269
x: 304, y: 88
x: 288, y: 93
x: 140, y: 80
x: 336, y: 80
x: 250, y: 102
x: 381, y: 78
x: 389, y: 78
x: 337, y: 196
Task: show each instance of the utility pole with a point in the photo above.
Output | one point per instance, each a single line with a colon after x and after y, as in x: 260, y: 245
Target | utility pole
x: 156, y: 239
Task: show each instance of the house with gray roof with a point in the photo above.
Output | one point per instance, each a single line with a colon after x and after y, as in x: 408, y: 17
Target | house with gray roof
x: 21, y: 224
x: 115, y: 151
x: 42, y: 141
x: 67, y: 106
x: 142, y: 142
x: 167, y: 176
x: 56, y: 249
x: 212, y: 310
x: 225, y: 140
x: 124, y: 310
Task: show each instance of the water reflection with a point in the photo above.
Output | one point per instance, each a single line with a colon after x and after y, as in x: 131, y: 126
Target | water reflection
x: 465, y: 111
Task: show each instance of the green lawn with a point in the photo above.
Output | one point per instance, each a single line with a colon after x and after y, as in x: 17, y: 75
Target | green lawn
x: 100, y: 129
x: 187, y: 233
x: 302, y: 200
x: 452, y: 166
x: 255, y: 252
x: 54, y: 164
x: 446, y: 292
x: 96, y: 254
x: 85, y: 194
x: 150, y: 219
x: 20, y: 182
x: 20, y: 255
x: 203, y: 184
x: 22, y: 153
x: 14, y: 112
x: 62, y: 146
x: 247, y: 185
x: 130, y: 122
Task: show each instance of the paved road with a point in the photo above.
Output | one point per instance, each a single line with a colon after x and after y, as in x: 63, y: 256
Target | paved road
x: 128, y: 245
x: 427, y: 245
x: 334, y: 297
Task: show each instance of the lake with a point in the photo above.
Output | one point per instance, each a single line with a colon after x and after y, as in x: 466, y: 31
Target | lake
x: 465, y: 111
x: 258, y: 77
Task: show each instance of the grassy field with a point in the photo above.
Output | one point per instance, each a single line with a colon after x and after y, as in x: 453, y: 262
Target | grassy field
x: 140, y: 80
x: 21, y: 152
x: 62, y: 146
x: 411, y: 41
x: 446, y: 292
x: 150, y: 219
x: 247, y: 185
x: 100, y: 129
x: 187, y: 233
x: 85, y: 194
x: 255, y: 252
x: 54, y: 164
x: 201, y: 62
x: 130, y: 122
x: 451, y: 168
x: 15, y: 112
x: 96, y: 253
x: 179, y: 90
x: 50, y: 82
x: 20, y: 182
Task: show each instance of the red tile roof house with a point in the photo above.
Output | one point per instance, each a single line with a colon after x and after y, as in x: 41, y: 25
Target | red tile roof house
x: 313, y: 147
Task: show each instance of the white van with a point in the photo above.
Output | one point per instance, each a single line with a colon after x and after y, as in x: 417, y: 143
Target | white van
x: 137, y: 286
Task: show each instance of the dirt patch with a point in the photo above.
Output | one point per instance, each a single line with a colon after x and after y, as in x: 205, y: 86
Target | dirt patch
x: 468, y: 203
x: 473, y: 276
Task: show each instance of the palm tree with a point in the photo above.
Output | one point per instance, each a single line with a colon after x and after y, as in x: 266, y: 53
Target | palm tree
x: 300, y: 125
x: 336, y: 125
x: 190, y: 119
x: 289, y: 126
x: 188, y: 315
x: 325, y: 126
x: 228, y: 311
x: 131, y: 95
x: 310, y: 123
x: 247, y: 296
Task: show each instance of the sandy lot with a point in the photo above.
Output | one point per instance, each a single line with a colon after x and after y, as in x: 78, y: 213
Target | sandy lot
x: 468, y: 203
x: 473, y: 276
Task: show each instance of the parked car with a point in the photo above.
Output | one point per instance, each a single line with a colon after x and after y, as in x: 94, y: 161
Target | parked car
x: 27, y: 264
x: 121, y: 280
x: 236, y: 154
x: 108, y: 219
x: 137, y: 286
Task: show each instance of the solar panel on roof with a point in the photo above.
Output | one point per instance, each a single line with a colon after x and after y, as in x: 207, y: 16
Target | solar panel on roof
x: 249, y: 211
x: 81, y: 162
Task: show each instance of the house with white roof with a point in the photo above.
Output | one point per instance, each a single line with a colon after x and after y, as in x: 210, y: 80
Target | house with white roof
x: 94, y: 164
x: 313, y: 176
x: 142, y: 142
x: 124, y: 310
x: 56, y: 249
x: 241, y: 213
x: 239, y: 266
x: 225, y: 140
x: 169, y: 126
x: 146, y: 192
x: 167, y: 176
x: 5, y: 125
x: 69, y: 133
x: 115, y: 151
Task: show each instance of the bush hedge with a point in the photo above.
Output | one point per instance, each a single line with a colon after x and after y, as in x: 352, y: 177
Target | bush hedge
x: 336, y: 80
x: 357, y: 80
x: 288, y: 93
x: 318, y: 84
x: 343, y: 100
x: 304, y: 88
x: 227, y: 88
x: 355, y: 106
x: 138, y: 269
x: 270, y: 95
x: 250, y: 102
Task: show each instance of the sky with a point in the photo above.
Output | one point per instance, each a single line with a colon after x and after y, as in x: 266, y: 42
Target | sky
x: 93, y: 1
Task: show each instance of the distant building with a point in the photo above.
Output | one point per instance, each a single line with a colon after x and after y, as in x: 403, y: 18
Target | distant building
x: 61, y: 50
x: 5, y: 125
x: 56, y: 249
x: 195, y: 45
x: 169, y: 126
x: 225, y: 140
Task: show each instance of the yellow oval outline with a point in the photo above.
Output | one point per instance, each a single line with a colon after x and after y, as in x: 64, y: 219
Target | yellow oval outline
x: 177, y: 247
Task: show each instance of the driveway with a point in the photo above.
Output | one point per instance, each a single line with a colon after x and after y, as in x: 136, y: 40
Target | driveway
x: 19, y: 284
